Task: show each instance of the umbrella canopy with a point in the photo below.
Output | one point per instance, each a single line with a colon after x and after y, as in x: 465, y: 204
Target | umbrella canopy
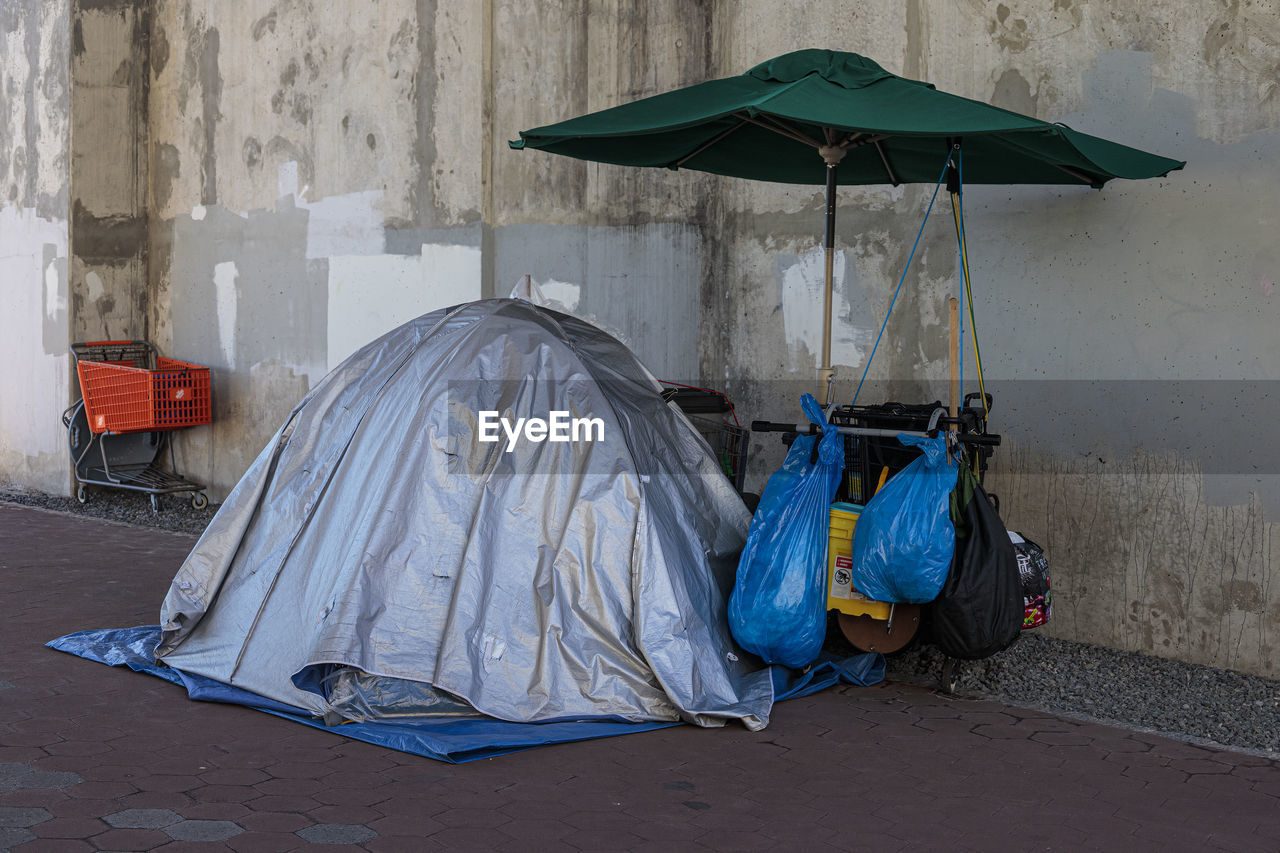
x: 767, y: 123
x: 823, y: 116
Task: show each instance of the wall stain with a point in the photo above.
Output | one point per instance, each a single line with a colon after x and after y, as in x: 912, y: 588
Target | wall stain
x: 164, y: 168
x: 422, y: 201
x: 1013, y: 92
x: 1012, y: 34
x: 159, y: 51
x: 251, y: 151
x: 289, y: 75
x: 265, y: 24
x: 211, y: 96
x: 30, y: 174
x: 77, y: 37
x: 301, y: 111
x: 107, y: 239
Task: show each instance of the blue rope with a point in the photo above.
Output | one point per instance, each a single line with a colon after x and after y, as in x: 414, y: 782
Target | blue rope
x: 960, y: 250
x: 903, y: 278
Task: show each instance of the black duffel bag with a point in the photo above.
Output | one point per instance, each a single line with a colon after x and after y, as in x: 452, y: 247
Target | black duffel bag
x: 980, y: 609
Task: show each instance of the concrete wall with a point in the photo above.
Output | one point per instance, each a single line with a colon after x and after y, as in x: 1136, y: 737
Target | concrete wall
x: 34, y: 178
x: 315, y: 173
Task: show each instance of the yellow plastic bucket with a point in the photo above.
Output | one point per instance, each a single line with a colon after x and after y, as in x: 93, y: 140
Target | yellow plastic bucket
x: 841, y: 594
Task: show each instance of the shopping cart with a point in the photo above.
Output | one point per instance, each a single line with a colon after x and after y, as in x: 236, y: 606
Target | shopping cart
x: 132, y: 400
x: 709, y: 412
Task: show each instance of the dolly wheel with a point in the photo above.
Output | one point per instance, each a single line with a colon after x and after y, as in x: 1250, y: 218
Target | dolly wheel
x: 878, y: 635
x: 155, y: 504
x: 199, y: 501
x: 81, y: 494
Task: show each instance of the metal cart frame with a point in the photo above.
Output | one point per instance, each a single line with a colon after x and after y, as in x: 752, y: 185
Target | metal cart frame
x: 728, y: 441
x: 132, y: 461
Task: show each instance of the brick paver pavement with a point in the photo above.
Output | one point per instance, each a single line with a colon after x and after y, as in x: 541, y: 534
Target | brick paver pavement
x: 98, y: 758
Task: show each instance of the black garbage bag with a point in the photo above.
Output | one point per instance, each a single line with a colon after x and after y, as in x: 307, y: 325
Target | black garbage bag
x: 980, y: 609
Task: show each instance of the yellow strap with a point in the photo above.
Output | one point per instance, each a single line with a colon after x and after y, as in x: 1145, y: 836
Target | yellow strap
x: 968, y: 292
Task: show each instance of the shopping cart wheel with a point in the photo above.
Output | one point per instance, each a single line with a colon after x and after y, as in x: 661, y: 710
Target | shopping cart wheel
x: 81, y: 494
x: 199, y: 501
x: 155, y: 504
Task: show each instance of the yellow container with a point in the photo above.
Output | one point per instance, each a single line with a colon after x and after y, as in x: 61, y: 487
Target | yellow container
x: 841, y: 594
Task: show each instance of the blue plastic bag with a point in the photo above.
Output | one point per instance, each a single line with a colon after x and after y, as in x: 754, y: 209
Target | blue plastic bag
x: 778, y: 609
x: 904, y: 540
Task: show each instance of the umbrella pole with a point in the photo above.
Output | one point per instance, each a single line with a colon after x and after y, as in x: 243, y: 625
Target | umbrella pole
x: 827, y: 373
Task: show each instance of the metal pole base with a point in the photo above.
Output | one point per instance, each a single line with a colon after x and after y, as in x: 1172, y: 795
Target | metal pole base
x: 827, y: 380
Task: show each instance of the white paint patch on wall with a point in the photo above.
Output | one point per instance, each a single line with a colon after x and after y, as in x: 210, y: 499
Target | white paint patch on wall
x: 287, y: 180
x: 55, y: 295
x: 802, y: 288
x: 93, y: 283
x: 369, y: 295
x: 347, y: 224
x: 564, y: 292
x: 224, y: 289
x: 34, y: 293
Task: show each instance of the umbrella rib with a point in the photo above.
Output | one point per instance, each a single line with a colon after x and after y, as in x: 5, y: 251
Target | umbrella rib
x: 778, y: 127
x: 1078, y: 175
x: 704, y: 146
x: 884, y: 158
x: 873, y: 140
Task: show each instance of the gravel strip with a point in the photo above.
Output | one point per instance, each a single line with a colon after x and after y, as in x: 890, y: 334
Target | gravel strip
x: 1202, y: 704
x: 176, y: 513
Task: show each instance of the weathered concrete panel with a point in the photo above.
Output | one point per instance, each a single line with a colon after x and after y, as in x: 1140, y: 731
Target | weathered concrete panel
x: 1142, y: 561
x: 244, y: 89
x: 451, y: 151
x: 108, y: 171
x: 107, y: 300
x: 34, y: 45
x: 640, y: 281
x: 34, y: 101
x: 251, y: 305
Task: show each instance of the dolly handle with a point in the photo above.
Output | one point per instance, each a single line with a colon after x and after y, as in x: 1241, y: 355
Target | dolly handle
x: 977, y: 395
x: 774, y: 426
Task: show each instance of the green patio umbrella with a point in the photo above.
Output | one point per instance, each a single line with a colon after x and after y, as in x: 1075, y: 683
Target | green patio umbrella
x: 823, y: 116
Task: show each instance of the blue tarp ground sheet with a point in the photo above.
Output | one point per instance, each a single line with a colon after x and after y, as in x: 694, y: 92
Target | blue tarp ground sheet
x: 447, y: 739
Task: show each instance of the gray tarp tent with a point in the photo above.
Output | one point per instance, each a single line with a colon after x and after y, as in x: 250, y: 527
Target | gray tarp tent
x: 378, y: 560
